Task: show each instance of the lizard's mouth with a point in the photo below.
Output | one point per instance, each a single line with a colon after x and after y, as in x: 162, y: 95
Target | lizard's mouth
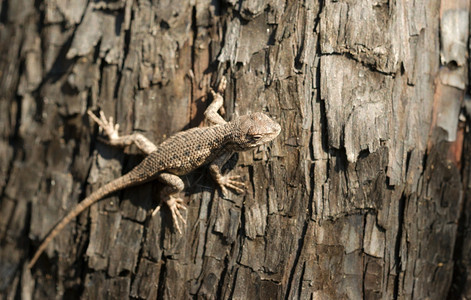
x: 272, y: 131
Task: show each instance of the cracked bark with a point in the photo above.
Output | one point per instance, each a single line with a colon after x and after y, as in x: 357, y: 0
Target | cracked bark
x: 365, y: 194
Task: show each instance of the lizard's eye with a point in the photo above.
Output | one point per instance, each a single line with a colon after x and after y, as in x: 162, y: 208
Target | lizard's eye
x: 256, y: 137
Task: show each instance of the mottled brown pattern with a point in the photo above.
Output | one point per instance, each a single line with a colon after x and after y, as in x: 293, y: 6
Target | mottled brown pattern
x: 188, y: 150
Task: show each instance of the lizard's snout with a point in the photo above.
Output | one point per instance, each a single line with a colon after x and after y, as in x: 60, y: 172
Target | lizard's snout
x: 276, y: 128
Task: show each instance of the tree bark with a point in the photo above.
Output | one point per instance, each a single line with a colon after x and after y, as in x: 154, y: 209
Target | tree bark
x: 365, y: 193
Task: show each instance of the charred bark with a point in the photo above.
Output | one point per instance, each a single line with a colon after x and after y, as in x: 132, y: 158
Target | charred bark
x: 365, y: 194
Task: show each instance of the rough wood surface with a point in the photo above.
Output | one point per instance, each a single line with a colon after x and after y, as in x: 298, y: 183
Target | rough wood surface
x: 365, y: 194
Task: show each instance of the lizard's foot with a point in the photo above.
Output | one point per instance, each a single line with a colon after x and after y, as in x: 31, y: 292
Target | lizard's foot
x: 232, y: 183
x: 220, y: 89
x: 174, y: 204
x: 222, y: 85
x: 110, y: 129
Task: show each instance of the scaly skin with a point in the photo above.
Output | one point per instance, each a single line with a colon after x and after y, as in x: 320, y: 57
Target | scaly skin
x: 179, y: 155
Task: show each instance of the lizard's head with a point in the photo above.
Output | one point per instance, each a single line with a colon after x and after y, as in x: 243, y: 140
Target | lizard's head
x: 256, y: 129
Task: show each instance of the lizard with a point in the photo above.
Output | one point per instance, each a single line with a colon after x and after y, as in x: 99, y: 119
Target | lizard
x: 179, y: 155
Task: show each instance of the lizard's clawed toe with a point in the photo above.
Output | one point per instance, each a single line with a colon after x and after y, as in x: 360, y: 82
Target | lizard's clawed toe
x: 222, y: 85
x: 110, y: 129
x: 231, y: 182
x: 176, y: 215
x: 174, y: 205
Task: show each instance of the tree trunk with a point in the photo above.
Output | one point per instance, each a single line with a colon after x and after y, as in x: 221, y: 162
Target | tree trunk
x: 365, y: 193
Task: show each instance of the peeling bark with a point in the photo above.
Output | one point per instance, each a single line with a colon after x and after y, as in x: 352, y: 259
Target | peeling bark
x: 365, y: 193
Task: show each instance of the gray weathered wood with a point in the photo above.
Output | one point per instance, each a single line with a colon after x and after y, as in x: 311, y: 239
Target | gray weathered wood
x: 365, y: 193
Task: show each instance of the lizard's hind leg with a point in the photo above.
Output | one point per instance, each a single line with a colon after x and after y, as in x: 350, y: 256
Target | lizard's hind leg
x: 111, y: 131
x: 174, y: 185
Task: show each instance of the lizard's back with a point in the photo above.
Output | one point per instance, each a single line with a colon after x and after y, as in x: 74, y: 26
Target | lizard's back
x: 187, y: 150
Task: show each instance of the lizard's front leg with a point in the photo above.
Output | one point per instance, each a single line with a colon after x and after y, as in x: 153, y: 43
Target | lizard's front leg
x: 169, y: 195
x: 211, y: 114
x: 225, y: 182
x: 111, y: 131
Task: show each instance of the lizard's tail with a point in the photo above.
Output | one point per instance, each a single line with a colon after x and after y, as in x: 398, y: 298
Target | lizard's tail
x: 109, y: 188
